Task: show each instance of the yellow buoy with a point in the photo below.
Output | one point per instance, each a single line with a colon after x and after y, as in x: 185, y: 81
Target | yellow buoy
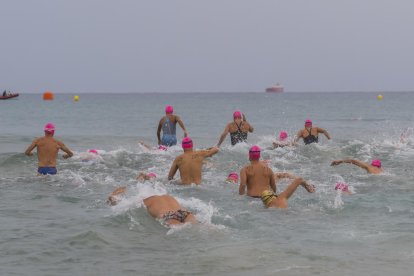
x: 76, y: 98
x: 379, y: 97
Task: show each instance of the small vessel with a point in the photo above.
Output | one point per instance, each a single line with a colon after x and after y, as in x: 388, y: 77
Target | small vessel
x: 276, y: 88
x: 9, y: 96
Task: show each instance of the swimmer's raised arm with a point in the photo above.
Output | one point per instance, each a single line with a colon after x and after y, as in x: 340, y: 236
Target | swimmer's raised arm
x: 223, y: 135
x: 112, y: 197
x: 351, y: 161
x: 322, y: 130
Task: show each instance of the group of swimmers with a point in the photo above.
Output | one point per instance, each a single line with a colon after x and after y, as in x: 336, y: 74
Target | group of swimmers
x: 256, y: 179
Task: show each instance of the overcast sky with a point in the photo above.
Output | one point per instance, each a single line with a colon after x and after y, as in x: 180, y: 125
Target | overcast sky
x: 206, y: 46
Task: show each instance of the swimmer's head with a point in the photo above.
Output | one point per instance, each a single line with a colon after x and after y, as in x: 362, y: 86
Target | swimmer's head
x: 151, y: 175
x: 237, y: 115
x: 233, y: 176
x: 376, y: 163
x: 308, y: 123
x: 94, y: 151
x: 162, y: 147
x: 283, y: 135
x: 341, y: 186
x: 187, y: 143
x: 169, y: 109
x: 267, y: 197
x: 254, y: 153
x: 49, y: 128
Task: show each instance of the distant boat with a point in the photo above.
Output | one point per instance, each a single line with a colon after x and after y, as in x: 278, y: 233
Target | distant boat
x: 9, y: 96
x: 276, y: 88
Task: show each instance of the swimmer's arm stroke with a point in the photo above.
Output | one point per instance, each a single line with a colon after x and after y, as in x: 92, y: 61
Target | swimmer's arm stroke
x: 351, y: 161
x: 159, y: 130
x: 251, y: 129
x: 243, y: 180
x: 297, y: 136
x: 223, y: 135
x: 181, y: 125
x: 322, y: 130
x: 210, y: 151
x: 68, y: 154
x: 173, y: 170
x: 28, y: 151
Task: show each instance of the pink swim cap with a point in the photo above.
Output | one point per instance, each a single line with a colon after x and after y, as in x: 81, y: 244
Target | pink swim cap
x: 283, y: 135
x: 187, y: 143
x: 151, y: 175
x: 49, y: 128
x: 162, y: 147
x: 376, y: 163
x: 169, y: 109
x: 237, y: 114
x: 308, y: 122
x: 233, y: 175
x: 93, y: 151
x: 254, y: 152
x: 341, y: 186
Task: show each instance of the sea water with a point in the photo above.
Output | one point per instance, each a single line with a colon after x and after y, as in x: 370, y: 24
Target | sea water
x: 62, y: 225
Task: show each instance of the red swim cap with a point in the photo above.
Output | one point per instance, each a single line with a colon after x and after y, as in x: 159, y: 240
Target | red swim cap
x: 376, y: 163
x: 169, y: 109
x: 308, y: 122
x: 49, y: 128
x: 187, y: 143
x: 237, y: 114
x: 254, y: 153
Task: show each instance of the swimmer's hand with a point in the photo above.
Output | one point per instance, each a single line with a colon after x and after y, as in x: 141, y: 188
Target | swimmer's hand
x: 29, y: 153
x: 185, y: 133
x: 66, y: 156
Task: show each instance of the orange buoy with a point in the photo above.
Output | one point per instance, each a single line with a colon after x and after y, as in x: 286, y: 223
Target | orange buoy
x: 48, y: 96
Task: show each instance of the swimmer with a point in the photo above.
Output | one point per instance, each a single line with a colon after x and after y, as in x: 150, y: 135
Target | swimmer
x: 282, y: 141
x: 272, y: 200
x: 164, y: 208
x: 160, y: 147
x: 233, y: 178
x: 146, y: 176
x: 47, y: 151
x: 238, y: 129
x: 256, y: 176
x: 90, y: 155
x: 374, y: 168
x: 190, y: 163
x: 309, y: 134
x: 168, y: 124
x: 343, y: 188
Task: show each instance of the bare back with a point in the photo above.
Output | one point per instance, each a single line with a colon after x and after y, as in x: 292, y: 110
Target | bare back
x: 257, y: 177
x: 190, y: 164
x: 244, y: 127
x: 47, y: 151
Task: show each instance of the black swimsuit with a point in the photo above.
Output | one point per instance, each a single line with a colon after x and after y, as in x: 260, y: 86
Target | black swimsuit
x: 310, y: 138
x: 238, y: 136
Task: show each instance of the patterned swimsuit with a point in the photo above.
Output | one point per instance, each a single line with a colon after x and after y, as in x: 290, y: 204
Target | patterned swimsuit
x: 238, y: 136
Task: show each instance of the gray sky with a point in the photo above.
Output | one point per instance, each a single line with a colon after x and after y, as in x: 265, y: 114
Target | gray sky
x: 203, y: 46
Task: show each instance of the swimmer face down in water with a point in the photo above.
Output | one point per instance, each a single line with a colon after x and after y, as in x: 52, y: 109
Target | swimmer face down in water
x: 164, y: 208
